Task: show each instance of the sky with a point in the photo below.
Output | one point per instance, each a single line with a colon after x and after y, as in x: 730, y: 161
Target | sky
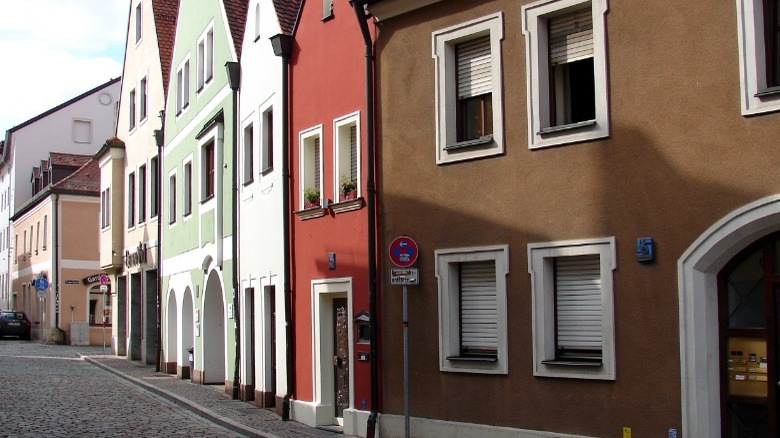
x: 53, y: 50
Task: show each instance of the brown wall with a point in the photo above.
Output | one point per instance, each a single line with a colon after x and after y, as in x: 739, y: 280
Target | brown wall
x: 679, y: 157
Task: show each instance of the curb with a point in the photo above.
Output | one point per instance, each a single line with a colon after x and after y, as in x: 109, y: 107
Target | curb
x: 227, y: 423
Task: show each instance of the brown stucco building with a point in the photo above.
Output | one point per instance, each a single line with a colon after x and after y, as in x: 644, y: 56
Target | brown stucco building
x: 593, y: 189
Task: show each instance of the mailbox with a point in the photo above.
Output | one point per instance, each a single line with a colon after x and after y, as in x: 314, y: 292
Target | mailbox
x: 746, y: 365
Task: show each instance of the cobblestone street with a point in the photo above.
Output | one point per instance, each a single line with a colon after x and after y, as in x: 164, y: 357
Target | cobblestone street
x: 51, y: 391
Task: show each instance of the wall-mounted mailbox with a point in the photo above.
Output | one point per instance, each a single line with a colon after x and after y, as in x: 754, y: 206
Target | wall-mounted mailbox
x: 746, y: 365
x: 362, y: 356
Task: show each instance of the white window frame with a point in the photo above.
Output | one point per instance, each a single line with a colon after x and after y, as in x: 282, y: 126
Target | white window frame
x: 752, y: 59
x: 541, y: 262
x: 143, y: 100
x: 183, y: 86
x: 341, y: 140
x: 188, y: 184
x: 131, y: 199
x: 449, y: 308
x: 132, y: 121
x: 172, y: 209
x: 205, y: 59
x: 535, y: 16
x: 304, y: 139
x: 142, y: 193
x: 105, y: 206
x: 138, y: 23
x: 76, y: 137
x: 258, y: 28
x: 266, y: 141
x: 248, y: 146
x: 154, y: 187
x: 46, y: 229
x: 448, y: 149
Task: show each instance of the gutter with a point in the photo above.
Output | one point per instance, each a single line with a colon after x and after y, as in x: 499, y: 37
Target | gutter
x: 282, y: 45
x: 234, y: 79
x: 362, y: 17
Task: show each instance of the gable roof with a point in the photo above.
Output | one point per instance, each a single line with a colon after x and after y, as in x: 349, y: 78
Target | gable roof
x: 236, y: 11
x: 165, y: 15
x: 287, y: 12
x: 69, y: 160
x: 86, y: 180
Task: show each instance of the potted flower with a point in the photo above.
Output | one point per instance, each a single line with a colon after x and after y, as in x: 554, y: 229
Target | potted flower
x: 348, y: 189
x: 311, y: 197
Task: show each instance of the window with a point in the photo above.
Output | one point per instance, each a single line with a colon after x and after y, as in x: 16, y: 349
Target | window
x: 45, y: 230
x: 347, y: 157
x: 153, y: 169
x: 311, y: 168
x: 16, y: 248
x: 131, y: 110
x: 257, y: 21
x: 327, y: 9
x: 468, y: 88
x: 249, y: 156
x: 142, y: 193
x: 142, y: 101
x: 82, y: 133
x: 205, y: 61
x: 99, y: 307
x: 37, y: 236
x: 759, y: 55
x: 207, y: 176
x: 572, y: 295
x: 268, y: 140
x: 131, y: 200
x: 138, y: 22
x: 187, y: 188
x: 24, y: 243
x: 567, y: 71
x: 183, y: 87
x: 172, y: 199
x: 472, y: 309
x: 105, y: 212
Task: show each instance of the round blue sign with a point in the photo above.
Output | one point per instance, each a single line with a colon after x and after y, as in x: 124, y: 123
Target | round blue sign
x: 41, y: 283
x: 403, y: 251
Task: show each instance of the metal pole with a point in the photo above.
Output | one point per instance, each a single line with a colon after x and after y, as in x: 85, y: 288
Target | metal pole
x: 406, y: 362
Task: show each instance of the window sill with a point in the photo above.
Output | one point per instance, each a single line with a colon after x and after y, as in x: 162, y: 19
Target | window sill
x: 249, y: 181
x: 347, y: 205
x: 267, y: 170
x: 310, y: 213
x: 768, y: 92
x: 473, y: 358
x: 484, y: 140
x: 568, y: 127
x: 257, y: 38
x: 575, y: 363
x: 207, y: 199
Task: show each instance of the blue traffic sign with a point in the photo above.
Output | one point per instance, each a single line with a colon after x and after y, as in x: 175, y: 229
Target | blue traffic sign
x: 41, y: 283
x: 403, y: 251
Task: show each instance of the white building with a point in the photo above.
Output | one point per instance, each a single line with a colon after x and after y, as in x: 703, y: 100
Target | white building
x: 78, y: 126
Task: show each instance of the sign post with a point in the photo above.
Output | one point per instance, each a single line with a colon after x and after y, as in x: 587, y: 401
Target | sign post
x: 403, y: 253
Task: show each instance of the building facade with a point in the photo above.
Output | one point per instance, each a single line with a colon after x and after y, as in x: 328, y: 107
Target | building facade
x: 596, y: 218
x: 198, y: 298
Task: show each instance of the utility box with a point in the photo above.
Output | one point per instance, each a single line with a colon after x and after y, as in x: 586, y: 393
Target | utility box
x: 79, y: 333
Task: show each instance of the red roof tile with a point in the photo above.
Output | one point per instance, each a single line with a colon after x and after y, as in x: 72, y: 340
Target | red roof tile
x: 165, y: 15
x: 287, y: 12
x: 86, y: 179
x: 236, y: 11
x: 73, y: 160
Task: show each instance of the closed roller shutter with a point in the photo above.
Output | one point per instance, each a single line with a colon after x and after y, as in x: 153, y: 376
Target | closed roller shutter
x: 479, y: 313
x: 578, y: 304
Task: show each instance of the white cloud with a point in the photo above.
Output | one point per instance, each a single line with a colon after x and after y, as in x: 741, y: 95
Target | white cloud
x: 54, y: 50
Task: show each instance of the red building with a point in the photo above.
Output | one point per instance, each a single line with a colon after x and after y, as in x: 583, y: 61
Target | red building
x: 329, y: 194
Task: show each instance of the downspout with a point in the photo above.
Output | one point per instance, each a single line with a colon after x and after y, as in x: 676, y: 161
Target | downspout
x: 234, y: 79
x: 159, y: 138
x: 56, y: 256
x: 362, y: 18
x: 282, y: 45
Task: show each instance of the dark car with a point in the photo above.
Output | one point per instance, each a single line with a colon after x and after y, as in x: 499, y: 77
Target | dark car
x: 14, y: 324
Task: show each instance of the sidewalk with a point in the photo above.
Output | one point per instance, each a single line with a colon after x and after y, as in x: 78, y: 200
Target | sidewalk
x: 208, y: 401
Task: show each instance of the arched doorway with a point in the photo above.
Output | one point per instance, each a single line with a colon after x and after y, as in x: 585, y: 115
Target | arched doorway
x: 187, y: 335
x: 749, y: 305
x: 213, y: 332
x: 171, y: 329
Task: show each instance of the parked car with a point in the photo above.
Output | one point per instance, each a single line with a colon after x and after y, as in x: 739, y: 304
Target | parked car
x: 14, y: 323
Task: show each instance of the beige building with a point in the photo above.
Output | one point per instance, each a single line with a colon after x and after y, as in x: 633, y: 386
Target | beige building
x: 55, y: 252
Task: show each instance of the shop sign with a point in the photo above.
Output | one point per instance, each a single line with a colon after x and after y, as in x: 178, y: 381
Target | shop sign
x: 136, y: 258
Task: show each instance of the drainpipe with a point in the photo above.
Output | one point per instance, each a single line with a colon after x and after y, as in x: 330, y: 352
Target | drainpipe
x: 159, y: 139
x: 282, y: 45
x: 362, y: 18
x: 234, y: 79
x: 56, y: 256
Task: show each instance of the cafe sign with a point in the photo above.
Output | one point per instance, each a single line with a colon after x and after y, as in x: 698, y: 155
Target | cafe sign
x: 136, y: 258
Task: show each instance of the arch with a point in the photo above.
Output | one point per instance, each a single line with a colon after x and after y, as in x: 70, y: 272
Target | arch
x: 213, y: 339
x: 171, y: 330
x: 187, y: 338
x: 698, y: 268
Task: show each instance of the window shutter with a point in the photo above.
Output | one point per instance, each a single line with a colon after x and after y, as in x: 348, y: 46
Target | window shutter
x: 571, y: 37
x: 353, y: 153
x: 578, y: 303
x: 474, y: 68
x: 317, y: 162
x: 479, y: 313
